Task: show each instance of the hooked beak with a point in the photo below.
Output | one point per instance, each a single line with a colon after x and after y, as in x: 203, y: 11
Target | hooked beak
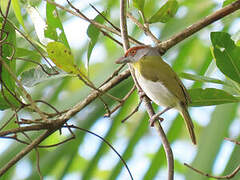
x: 123, y: 60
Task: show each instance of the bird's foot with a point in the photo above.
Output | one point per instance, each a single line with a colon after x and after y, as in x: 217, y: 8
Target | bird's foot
x: 141, y: 94
x: 155, y: 118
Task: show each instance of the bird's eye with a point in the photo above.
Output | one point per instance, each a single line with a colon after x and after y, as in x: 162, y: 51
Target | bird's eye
x: 133, y: 52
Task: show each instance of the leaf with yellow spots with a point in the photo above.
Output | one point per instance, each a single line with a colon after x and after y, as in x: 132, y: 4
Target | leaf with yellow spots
x: 62, y: 57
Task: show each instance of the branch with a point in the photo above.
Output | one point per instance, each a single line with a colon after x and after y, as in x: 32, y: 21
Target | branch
x: 63, y: 118
x: 121, y: 103
x: 232, y: 140
x: 145, y: 29
x: 26, y: 150
x: 133, y: 112
x: 106, y: 142
x: 25, y: 128
x: 164, y: 46
x: 229, y: 176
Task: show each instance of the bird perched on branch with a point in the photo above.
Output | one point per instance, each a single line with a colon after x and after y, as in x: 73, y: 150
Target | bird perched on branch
x: 159, y: 82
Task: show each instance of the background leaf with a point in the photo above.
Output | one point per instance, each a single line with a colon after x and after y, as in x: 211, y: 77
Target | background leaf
x: 165, y: 13
x: 34, y: 76
x: 227, y: 2
x: 226, y: 54
x: 210, y: 96
x: 8, y: 100
x: 93, y: 34
x: 201, y: 78
x: 17, y: 11
x: 139, y: 4
x: 54, y: 24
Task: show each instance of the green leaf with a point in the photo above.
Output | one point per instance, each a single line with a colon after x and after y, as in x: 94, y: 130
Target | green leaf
x: 226, y: 54
x: 210, y: 96
x: 17, y: 12
x: 233, y: 161
x: 51, y: 33
x: 8, y: 101
x: 22, y: 52
x: 54, y: 25
x: 3, y: 103
x: 62, y: 57
x: 227, y: 2
x: 93, y: 34
x: 139, y: 4
x: 28, y: 56
x: 7, y: 51
x: 202, y: 78
x: 6, y: 98
x: 165, y: 13
x: 34, y: 76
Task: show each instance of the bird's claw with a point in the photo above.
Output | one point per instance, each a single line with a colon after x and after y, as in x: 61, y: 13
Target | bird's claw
x: 153, y: 119
x: 141, y: 94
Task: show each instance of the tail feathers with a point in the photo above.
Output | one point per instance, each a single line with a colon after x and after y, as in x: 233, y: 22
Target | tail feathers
x: 189, y: 123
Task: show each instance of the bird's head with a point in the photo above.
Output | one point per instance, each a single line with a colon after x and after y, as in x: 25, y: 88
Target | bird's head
x: 136, y: 53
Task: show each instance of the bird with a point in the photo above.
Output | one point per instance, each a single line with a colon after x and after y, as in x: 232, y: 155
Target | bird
x: 159, y: 82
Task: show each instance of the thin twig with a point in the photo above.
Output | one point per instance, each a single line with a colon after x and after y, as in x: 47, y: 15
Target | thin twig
x: 121, y: 103
x: 175, y: 39
x: 39, y: 146
x: 51, y: 106
x: 25, y: 151
x: 145, y: 29
x: 24, y: 129
x: 91, y: 85
x: 229, y: 176
x: 38, y: 164
x: 232, y: 140
x: 98, y: 25
x: 105, y: 141
x: 109, y: 22
x: 110, y: 37
x: 12, y: 93
x: 32, y: 44
x: 4, y: 22
x: 32, y: 61
x: 91, y: 97
x: 33, y: 105
x: 89, y: 20
x: 133, y: 112
x: 9, y: 120
x: 115, y: 73
x: 5, y: 37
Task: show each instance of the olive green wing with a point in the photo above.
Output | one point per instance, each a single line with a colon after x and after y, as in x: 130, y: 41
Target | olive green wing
x: 158, y: 70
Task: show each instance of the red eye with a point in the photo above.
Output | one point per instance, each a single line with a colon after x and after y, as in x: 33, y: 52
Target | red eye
x: 133, y: 52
